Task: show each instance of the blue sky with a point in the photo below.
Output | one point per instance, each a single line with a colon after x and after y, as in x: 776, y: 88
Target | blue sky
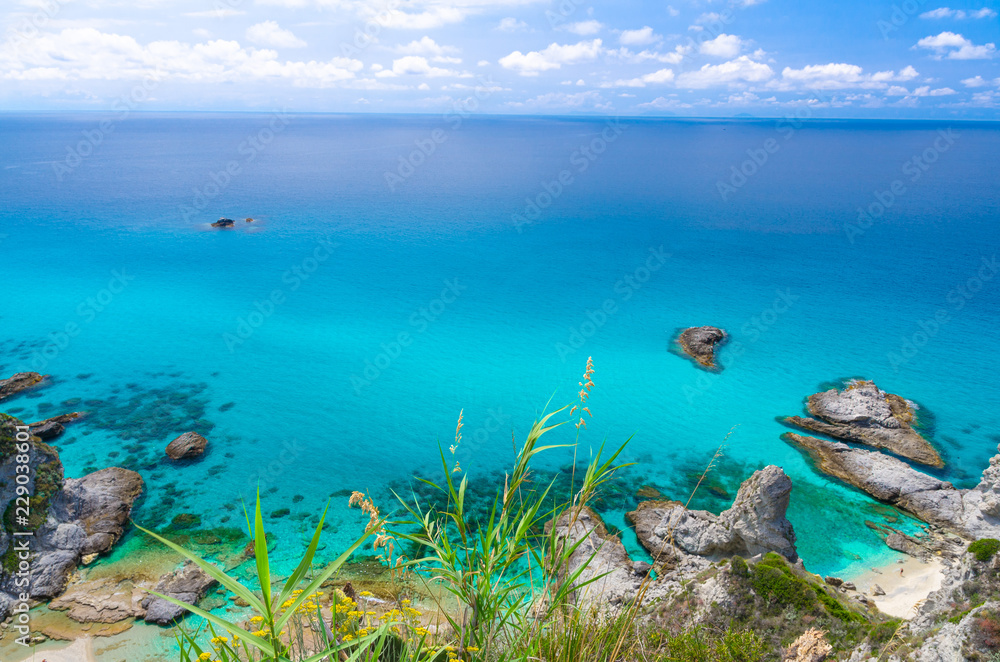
x: 898, y: 58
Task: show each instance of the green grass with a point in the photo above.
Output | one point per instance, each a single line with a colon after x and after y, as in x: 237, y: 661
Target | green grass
x: 985, y: 548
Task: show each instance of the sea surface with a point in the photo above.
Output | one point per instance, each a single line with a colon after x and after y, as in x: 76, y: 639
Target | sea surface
x: 403, y: 269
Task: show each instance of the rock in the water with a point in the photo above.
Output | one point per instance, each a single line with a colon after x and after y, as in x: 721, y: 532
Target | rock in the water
x: 188, y: 584
x: 865, y: 414
x: 811, y: 646
x: 699, y: 343
x: 51, y: 428
x: 71, y: 518
x: 19, y: 382
x: 971, y: 513
x: 755, y: 524
x: 189, y: 444
x: 223, y: 223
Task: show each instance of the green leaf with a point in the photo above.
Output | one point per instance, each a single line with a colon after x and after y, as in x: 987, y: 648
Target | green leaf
x: 233, y: 629
x: 229, y: 582
x: 263, y: 567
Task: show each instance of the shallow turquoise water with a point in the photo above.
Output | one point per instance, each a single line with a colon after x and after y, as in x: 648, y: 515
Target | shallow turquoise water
x: 772, y: 264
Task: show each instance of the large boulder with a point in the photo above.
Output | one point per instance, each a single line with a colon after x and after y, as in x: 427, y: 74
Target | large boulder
x: 756, y: 523
x: 862, y: 413
x: 189, y: 444
x: 19, y: 382
x: 51, y: 428
x: 188, y: 584
x: 70, y: 518
x: 971, y: 513
x: 699, y: 343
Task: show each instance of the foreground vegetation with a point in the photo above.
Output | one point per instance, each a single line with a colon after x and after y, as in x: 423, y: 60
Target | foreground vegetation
x: 496, y: 584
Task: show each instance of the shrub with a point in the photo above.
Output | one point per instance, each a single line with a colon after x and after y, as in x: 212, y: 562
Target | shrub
x: 985, y: 548
x: 773, y: 579
x: 739, y: 567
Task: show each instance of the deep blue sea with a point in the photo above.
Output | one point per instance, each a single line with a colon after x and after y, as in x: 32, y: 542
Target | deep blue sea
x: 330, y: 345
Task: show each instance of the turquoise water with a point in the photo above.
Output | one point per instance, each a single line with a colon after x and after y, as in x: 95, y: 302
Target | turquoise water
x: 494, y: 315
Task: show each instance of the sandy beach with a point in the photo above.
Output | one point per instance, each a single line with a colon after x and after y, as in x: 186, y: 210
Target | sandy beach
x: 81, y: 650
x: 902, y: 591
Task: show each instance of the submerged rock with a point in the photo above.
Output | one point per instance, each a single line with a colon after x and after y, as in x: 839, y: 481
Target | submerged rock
x: 756, y: 523
x: 188, y: 584
x: 971, y: 513
x: 70, y: 518
x: 865, y: 414
x: 699, y: 343
x: 189, y: 444
x: 19, y: 382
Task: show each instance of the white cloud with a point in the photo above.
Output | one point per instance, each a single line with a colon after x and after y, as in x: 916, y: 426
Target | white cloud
x: 590, y: 98
x: 945, y: 12
x: 583, y: 28
x: 664, y: 103
x: 725, y: 45
x: 435, y: 17
x: 641, y: 37
x: 673, y: 13
x: 655, y: 78
x: 483, y: 63
x: 88, y: 54
x: 840, y: 75
x: 269, y: 33
x: 975, y: 81
x: 511, y: 24
x: 553, y: 57
x: 221, y: 12
x: 426, y: 46
x: 740, y: 70
x: 956, y: 47
x: 415, y: 65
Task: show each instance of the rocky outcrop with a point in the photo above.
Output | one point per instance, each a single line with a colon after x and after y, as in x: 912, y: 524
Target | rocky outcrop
x: 51, y: 428
x: 699, y: 343
x: 19, y: 382
x: 862, y: 413
x: 755, y: 524
x: 224, y: 223
x: 955, y: 642
x: 971, y: 513
x: 70, y: 518
x: 615, y: 578
x: 811, y: 646
x: 188, y: 584
x: 188, y: 445
x: 114, y: 599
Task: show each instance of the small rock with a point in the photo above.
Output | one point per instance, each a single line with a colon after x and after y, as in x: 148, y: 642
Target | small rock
x: 189, y: 444
x: 849, y: 586
x: 223, y: 223
x: 19, y: 382
x: 699, y: 343
x: 877, y: 590
x: 189, y: 585
x: 641, y: 568
x: 834, y: 581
